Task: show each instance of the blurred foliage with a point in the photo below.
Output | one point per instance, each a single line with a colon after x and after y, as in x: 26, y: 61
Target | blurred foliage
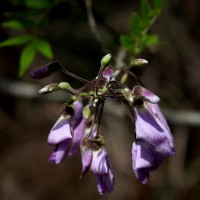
x: 33, y: 16
x: 140, y: 23
x: 29, y: 19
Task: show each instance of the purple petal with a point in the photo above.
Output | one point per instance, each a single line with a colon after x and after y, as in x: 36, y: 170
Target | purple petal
x: 78, y: 113
x: 79, y: 133
x: 144, y: 160
x: 60, y: 151
x: 60, y: 131
x: 108, y: 73
x: 86, y: 155
x: 143, y: 93
x: 149, y: 130
x: 99, y: 164
x: 105, y: 182
x: 45, y: 71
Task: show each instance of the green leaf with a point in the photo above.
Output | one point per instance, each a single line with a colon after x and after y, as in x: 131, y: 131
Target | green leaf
x: 86, y: 111
x: 158, y: 4
x: 17, y: 40
x: 17, y: 24
x: 126, y: 41
x: 38, y: 4
x: 150, y: 40
x: 24, y: 13
x: 145, y: 9
x: 43, y: 47
x: 135, y: 24
x: 26, y: 58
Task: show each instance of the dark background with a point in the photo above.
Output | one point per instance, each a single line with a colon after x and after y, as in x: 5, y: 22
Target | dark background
x: 26, y: 118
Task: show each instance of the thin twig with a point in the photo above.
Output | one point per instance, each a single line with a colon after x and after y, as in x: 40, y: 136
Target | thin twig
x: 92, y: 24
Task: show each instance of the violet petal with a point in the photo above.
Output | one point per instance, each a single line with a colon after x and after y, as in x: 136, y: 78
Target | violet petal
x: 60, y: 131
x: 60, y: 151
x: 144, y: 160
x: 149, y: 130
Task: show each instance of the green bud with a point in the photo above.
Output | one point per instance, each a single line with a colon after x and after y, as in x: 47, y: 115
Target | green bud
x: 128, y: 95
x: 49, y: 88
x: 64, y: 85
x: 105, y: 60
x: 72, y: 100
x: 83, y: 94
x: 138, y: 62
x: 86, y: 112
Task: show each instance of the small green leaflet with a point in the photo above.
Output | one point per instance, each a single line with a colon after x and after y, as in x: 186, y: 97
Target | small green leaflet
x: 17, y: 40
x: 26, y: 58
x: 43, y: 47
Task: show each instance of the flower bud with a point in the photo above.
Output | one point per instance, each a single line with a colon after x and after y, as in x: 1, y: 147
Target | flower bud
x: 45, y: 71
x: 86, y: 111
x: 49, y: 88
x: 105, y: 60
x: 138, y: 62
x: 72, y: 100
x: 127, y: 94
x: 108, y: 73
x: 64, y: 85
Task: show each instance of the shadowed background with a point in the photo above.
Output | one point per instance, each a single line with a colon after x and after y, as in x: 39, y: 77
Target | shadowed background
x: 26, y: 118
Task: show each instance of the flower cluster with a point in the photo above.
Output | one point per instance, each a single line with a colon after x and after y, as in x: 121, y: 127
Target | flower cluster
x: 78, y: 125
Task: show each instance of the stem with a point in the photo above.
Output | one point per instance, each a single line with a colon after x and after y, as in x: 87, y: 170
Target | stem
x: 77, y: 77
x: 100, y: 116
x: 136, y: 78
x: 128, y: 111
x: 94, y: 120
x: 92, y: 24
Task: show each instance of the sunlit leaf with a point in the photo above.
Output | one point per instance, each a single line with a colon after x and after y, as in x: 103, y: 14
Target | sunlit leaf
x: 150, y: 40
x: 17, y: 40
x: 126, y: 41
x: 135, y: 24
x: 17, y: 24
x: 158, y: 3
x: 145, y: 9
x: 26, y: 58
x: 38, y: 4
x: 43, y: 47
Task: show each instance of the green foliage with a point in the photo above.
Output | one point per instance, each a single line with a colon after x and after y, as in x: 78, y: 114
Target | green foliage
x: 18, y: 24
x: 140, y: 23
x: 29, y: 52
x: 31, y: 18
x: 26, y: 58
x: 17, y: 40
x: 43, y: 47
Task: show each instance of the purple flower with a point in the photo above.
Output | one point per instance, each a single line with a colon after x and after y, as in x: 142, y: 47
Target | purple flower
x: 67, y: 134
x: 144, y: 160
x: 98, y: 162
x: 108, y: 73
x: 102, y: 169
x: 153, y: 137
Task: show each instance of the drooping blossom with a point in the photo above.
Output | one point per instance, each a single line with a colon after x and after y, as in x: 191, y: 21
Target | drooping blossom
x: 67, y: 134
x: 153, y: 136
x: 97, y: 161
x: 144, y: 160
x: 153, y: 139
